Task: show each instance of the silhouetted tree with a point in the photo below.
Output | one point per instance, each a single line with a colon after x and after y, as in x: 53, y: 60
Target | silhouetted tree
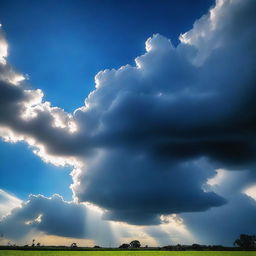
x: 179, y: 247
x: 38, y: 244
x: 73, y: 245
x: 135, y: 244
x: 196, y: 246
x: 96, y: 246
x: 124, y: 246
x: 246, y: 241
x: 33, y: 243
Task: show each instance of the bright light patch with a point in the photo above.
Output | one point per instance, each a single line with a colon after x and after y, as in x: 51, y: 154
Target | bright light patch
x: 251, y: 192
x: 16, y: 79
x: 63, y: 120
x: 94, y: 208
x: 171, y: 218
x: 41, y: 151
x: 9, y: 136
x: 60, y: 240
x: 218, y: 178
x: 3, y: 51
x: 174, y: 225
x: 7, y: 203
x: 72, y: 127
x: 34, y: 221
x: 184, y: 38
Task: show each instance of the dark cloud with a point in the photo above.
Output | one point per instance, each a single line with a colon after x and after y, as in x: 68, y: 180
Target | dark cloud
x: 178, y: 105
x: 150, y: 135
x: 137, y: 189
x: 52, y: 216
x: 224, y: 225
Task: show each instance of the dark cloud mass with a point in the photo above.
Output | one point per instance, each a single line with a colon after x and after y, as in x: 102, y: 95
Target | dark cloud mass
x: 141, y: 189
x: 52, y: 216
x: 151, y: 135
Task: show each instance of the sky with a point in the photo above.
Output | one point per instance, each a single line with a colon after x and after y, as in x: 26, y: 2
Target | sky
x: 135, y: 118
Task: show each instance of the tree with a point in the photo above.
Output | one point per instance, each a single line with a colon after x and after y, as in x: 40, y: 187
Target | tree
x: 135, y: 244
x: 196, y: 247
x: 124, y: 246
x: 246, y: 241
x: 73, y: 245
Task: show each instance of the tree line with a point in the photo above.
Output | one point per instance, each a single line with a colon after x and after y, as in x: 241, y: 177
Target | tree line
x: 244, y: 242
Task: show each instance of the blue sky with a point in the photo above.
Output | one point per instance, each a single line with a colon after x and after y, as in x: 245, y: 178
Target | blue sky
x: 123, y: 120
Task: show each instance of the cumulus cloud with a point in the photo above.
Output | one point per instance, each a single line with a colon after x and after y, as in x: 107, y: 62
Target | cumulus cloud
x: 53, y: 216
x: 50, y: 215
x: 150, y: 136
x: 52, y: 220
x: 154, y: 121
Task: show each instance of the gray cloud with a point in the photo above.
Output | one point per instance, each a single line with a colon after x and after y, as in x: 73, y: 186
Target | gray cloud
x: 50, y: 215
x: 138, y: 190
x: 224, y: 225
x: 150, y: 135
x: 54, y: 216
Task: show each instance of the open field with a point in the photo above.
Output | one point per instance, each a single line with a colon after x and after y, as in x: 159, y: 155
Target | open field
x: 124, y: 253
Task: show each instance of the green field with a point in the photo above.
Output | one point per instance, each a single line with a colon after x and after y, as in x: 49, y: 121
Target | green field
x: 122, y: 253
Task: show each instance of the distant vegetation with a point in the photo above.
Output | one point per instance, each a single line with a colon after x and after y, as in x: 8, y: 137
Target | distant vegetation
x: 123, y: 253
x: 244, y: 242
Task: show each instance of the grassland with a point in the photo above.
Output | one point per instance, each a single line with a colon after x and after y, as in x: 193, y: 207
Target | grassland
x: 123, y: 253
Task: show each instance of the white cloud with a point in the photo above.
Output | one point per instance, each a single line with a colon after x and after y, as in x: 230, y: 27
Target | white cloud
x: 3, y: 49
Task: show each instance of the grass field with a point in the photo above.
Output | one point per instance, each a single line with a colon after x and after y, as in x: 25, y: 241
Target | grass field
x: 122, y: 253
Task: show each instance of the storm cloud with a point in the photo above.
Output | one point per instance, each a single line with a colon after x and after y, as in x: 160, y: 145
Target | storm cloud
x: 150, y: 136
x: 50, y: 215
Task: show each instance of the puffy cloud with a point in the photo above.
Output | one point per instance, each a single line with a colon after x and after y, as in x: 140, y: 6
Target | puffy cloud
x: 52, y: 220
x: 150, y: 136
x: 52, y: 216
x: 154, y: 121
